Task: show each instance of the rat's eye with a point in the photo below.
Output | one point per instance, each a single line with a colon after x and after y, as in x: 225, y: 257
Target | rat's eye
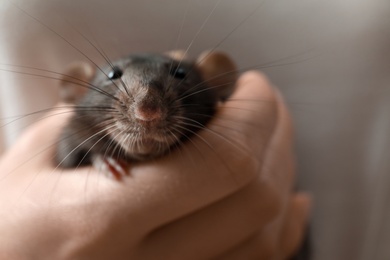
x: 115, y: 73
x: 179, y: 73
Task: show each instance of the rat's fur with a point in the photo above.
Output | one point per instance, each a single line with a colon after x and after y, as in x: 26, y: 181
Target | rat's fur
x: 110, y: 127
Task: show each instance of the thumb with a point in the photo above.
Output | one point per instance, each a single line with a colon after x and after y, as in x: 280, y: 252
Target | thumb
x: 39, y: 140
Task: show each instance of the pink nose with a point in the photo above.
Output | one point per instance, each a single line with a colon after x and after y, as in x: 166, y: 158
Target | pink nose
x: 147, y: 113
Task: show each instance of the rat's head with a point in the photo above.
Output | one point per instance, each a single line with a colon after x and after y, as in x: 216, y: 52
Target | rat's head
x: 154, y: 101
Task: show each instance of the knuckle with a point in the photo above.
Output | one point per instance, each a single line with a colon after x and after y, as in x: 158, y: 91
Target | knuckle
x: 253, y: 75
x: 266, y: 205
x: 244, y: 168
x: 261, y: 206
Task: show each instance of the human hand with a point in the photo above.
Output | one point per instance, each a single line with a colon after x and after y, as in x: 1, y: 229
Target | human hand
x: 221, y: 196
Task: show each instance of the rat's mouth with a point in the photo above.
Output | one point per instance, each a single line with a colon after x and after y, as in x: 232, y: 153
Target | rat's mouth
x: 143, y: 144
x: 147, y: 147
x: 146, y: 142
x: 134, y: 127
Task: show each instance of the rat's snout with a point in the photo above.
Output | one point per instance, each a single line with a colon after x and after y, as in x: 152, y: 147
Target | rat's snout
x: 148, y: 107
x: 147, y: 111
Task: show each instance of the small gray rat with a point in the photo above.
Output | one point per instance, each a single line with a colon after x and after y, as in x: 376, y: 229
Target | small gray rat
x: 141, y: 106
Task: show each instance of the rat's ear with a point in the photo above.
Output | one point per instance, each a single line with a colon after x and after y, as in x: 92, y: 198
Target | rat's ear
x: 74, y: 84
x: 178, y: 55
x: 219, y: 71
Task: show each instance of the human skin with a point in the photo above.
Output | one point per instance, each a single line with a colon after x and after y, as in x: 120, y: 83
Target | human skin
x: 225, y: 196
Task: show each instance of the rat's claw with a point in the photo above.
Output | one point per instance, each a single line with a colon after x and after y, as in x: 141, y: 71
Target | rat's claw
x: 110, y: 166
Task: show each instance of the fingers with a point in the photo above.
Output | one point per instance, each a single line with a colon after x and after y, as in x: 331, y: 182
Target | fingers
x: 214, y: 229
x: 37, y: 144
x: 279, y: 163
x: 209, y: 167
x: 269, y: 243
x: 249, y: 116
x: 260, y: 246
x: 39, y: 140
x: 296, y: 225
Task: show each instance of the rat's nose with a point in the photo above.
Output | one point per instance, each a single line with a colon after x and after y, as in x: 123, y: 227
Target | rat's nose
x: 147, y: 112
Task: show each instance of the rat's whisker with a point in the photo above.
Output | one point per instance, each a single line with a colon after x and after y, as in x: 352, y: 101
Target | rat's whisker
x: 79, y: 82
x: 87, y: 153
x: 223, y: 118
x: 101, y: 52
x: 56, y: 168
x: 40, y: 152
x: 241, y: 23
x: 198, y: 33
x: 179, y: 36
x: 198, y: 125
x: 65, y: 108
x: 228, y: 168
x: 202, y: 90
x: 64, y: 39
x: 271, y: 64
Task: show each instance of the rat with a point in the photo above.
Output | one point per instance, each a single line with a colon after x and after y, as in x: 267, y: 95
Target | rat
x: 140, y: 106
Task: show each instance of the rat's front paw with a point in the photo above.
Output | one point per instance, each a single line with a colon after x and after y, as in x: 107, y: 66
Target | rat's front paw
x: 113, y: 168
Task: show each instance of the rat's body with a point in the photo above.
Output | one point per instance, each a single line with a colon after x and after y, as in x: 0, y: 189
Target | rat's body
x: 142, y: 106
